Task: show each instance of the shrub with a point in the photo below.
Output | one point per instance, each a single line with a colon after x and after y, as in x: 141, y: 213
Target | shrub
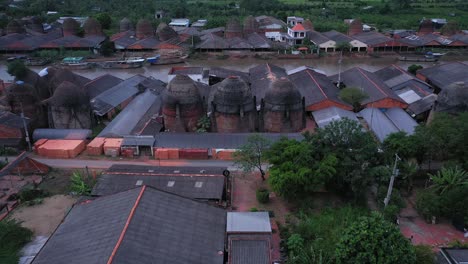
x: 414, y: 68
x: 428, y: 204
x: 17, y: 69
x: 253, y: 209
x: 12, y: 238
x: 263, y: 196
x: 32, y: 194
x: 80, y: 185
x: 424, y: 254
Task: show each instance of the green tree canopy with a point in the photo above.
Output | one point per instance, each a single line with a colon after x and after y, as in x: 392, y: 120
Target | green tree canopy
x: 17, y: 69
x: 374, y: 240
x: 353, y: 96
x: 105, y: 20
x: 414, y: 68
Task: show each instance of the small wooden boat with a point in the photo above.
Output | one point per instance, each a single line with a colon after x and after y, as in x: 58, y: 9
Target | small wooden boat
x: 418, y: 59
x: 127, y: 63
x: 169, y: 60
x: 36, y: 61
x: 75, y: 63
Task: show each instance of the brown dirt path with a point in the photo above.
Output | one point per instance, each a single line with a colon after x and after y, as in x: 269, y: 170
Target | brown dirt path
x: 44, y: 218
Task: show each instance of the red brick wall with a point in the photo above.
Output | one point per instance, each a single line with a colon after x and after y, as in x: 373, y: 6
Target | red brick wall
x: 327, y: 103
x: 227, y: 123
x: 387, y: 103
x: 276, y: 122
x: 189, y: 116
x: 421, y: 77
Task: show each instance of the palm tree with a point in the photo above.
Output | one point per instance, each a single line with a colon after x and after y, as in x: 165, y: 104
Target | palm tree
x: 448, y: 178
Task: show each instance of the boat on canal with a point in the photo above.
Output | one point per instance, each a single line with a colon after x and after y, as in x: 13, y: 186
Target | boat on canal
x: 127, y: 63
x: 75, y: 63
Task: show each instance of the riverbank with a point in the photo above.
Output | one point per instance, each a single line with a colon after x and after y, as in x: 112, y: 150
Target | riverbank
x: 328, y: 64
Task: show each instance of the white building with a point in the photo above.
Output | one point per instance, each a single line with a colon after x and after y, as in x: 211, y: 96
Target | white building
x: 180, y: 22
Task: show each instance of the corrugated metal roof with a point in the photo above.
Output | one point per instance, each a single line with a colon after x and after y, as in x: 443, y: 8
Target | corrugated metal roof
x: 138, y: 226
x: 248, y: 222
x: 401, y: 120
x: 138, y: 141
x: 11, y: 120
x: 326, y: 116
x: 106, y: 101
x: 390, y: 121
x: 101, y: 84
x: 250, y: 251
x: 423, y: 105
x: 195, y: 187
x: 134, y: 117
x: 444, y: 75
x: 408, y: 95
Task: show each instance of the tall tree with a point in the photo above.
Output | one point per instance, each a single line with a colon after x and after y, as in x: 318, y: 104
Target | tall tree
x: 374, y: 240
x: 356, y: 151
x: 251, y: 156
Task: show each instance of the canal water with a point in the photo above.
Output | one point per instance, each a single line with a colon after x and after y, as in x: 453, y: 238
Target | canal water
x: 329, y: 65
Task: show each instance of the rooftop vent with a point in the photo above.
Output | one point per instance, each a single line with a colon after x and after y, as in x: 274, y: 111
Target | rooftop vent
x: 198, y: 184
x: 139, y: 183
x: 170, y: 183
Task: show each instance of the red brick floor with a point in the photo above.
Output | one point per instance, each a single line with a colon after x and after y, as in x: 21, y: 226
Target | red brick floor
x: 438, y: 235
x: 244, y: 199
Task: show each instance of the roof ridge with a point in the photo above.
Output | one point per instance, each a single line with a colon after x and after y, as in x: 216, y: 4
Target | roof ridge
x: 376, y: 85
x: 318, y: 85
x: 127, y: 223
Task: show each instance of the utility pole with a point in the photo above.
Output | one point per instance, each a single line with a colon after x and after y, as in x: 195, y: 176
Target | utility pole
x: 339, y: 68
x: 25, y: 128
x: 395, y: 173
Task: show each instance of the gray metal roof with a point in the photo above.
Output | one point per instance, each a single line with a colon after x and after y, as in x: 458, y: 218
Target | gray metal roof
x: 326, y: 116
x: 316, y: 87
x: 166, y: 170
x: 134, y: 117
x: 423, y: 105
x: 138, y: 141
x: 249, y: 251
x: 391, y: 121
x: 111, y: 98
x: 139, y: 226
x: 444, y: 75
x: 248, y: 222
x: 53, y: 133
x: 369, y: 82
x: 190, y: 186
x: 101, y: 84
x: 401, y: 119
x: 213, y: 140
x: 455, y: 255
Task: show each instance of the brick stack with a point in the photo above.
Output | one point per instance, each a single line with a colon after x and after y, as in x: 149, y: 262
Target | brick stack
x: 96, y: 147
x: 224, y: 154
x: 196, y: 154
x: 112, y: 146
x: 62, y: 149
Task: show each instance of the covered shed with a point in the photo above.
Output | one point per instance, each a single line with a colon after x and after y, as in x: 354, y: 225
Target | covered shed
x: 376, y: 41
x: 384, y: 122
x: 327, y: 115
x: 138, y: 145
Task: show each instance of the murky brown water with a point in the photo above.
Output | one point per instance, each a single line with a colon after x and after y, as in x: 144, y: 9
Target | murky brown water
x: 328, y: 65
